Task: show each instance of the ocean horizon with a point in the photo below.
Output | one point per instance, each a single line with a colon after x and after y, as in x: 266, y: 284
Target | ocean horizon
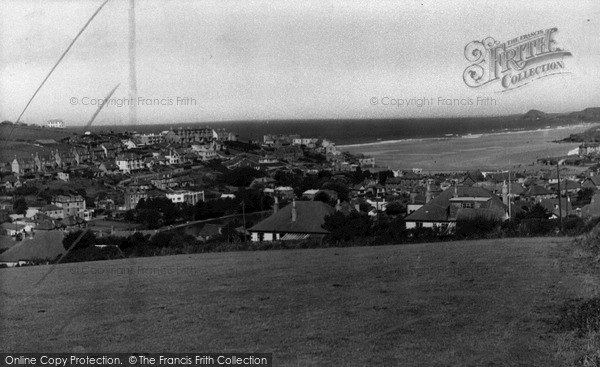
x: 359, y: 132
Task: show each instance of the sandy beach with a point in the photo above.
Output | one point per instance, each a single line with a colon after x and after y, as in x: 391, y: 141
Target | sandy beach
x: 486, y: 152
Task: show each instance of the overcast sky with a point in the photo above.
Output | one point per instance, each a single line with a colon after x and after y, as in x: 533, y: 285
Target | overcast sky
x: 248, y: 60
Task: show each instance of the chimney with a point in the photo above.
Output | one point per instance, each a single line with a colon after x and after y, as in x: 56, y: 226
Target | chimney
x: 428, y: 193
x: 294, y: 213
x: 276, y: 205
x: 338, y: 206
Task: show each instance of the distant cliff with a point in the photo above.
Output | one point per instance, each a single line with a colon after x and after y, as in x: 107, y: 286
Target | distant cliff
x: 534, y: 115
x: 591, y: 135
x: 589, y: 114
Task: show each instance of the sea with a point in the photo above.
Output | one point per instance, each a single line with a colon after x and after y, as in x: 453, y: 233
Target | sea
x: 366, y: 131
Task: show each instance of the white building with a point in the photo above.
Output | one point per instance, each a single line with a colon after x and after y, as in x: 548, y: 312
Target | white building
x: 185, y: 196
x: 63, y: 176
x: 129, y: 162
x: 55, y: 124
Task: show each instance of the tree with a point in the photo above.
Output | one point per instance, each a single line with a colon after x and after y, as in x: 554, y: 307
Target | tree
x: 20, y: 206
x: 341, y: 189
x: 346, y: 227
x: 324, y: 197
x: 151, y: 218
x: 242, y: 177
x: 537, y: 211
x: 88, y: 239
x: 384, y: 175
x: 167, y: 210
x: 395, y: 208
x: 584, y: 196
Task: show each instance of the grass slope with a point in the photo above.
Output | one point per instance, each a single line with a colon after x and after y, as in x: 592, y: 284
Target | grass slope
x: 478, y: 303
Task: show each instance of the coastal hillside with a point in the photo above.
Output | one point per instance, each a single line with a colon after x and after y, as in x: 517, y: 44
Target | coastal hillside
x: 492, y: 302
x: 11, y: 132
x: 534, y: 115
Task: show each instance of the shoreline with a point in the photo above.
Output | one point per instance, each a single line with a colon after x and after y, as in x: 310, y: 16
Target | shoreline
x: 489, y: 151
x: 470, y: 136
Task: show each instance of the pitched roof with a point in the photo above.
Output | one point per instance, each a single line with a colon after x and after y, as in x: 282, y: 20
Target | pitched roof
x: 49, y: 207
x: 309, y: 219
x: 44, y: 245
x: 595, y: 180
x: 437, y: 210
x: 11, y: 179
x: 551, y: 205
x: 535, y: 190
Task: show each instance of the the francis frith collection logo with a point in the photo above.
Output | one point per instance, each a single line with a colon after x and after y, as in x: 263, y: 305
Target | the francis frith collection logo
x: 514, y: 63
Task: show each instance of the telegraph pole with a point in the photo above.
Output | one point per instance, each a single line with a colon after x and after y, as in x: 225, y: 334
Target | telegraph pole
x: 560, y: 223
x: 244, y: 218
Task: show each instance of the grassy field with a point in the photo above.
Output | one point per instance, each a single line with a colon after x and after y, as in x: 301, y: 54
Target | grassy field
x: 13, y: 132
x: 478, y: 303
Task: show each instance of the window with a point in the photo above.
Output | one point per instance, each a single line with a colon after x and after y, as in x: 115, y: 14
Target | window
x: 467, y: 205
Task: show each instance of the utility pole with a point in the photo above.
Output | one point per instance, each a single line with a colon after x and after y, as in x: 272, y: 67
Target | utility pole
x: 244, y: 218
x: 509, y: 204
x: 560, y: 223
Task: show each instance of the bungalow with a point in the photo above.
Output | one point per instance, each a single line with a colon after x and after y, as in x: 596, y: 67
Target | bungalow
x: 45, y: 245
x: 461, y: 202
x: 296, y: 221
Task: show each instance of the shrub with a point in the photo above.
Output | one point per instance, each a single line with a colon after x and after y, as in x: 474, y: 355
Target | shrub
x: 537, y: 227
x: 477, y: 227
x: 591, y: 241
x: 582, y: 316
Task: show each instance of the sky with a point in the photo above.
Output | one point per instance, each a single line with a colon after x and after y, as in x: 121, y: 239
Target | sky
x: 227, y: 60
